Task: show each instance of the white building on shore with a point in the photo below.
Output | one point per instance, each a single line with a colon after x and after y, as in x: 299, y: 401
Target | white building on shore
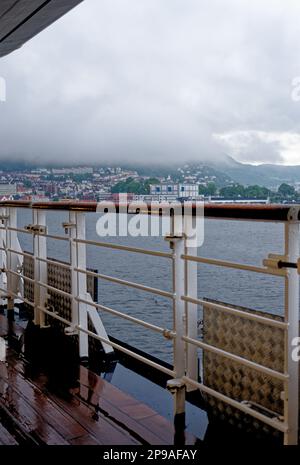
x: 175, y: 190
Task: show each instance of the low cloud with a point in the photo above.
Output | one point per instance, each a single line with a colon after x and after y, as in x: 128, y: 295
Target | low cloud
x: 153, y: 81
x: 257, y: 146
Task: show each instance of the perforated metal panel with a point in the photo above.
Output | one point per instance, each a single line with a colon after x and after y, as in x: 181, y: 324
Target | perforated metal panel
x: 253, y: 341
x: 60, y: 278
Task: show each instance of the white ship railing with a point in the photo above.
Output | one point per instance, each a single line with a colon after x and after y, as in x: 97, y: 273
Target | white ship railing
x: 184, y: 296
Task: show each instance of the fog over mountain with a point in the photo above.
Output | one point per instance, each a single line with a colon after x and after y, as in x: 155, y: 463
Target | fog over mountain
x: 153, y: 81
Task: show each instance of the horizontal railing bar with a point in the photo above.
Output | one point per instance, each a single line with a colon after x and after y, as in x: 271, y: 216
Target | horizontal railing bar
x: 240, y: 313
x: 20, y: 275
x: 54, y: 289
x: 237, y: 358
x: 112, y: 344
x: 125, y: 248
x: 12, y: 294
x: 26, y: 231
x: 19, y: 252
x: 171, y: 373
x: 44, y: 260
x: 58, y: 238
x: 273, y: 422
x: 54, y: 315
x: 53, y: 262
x: 21, y: 230
x: 234, y: 265
x: 155, y: 328
x: 158, y: 329
x: 123, y: 282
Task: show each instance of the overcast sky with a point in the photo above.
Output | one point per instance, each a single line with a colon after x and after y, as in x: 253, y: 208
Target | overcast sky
x: 157, y: 80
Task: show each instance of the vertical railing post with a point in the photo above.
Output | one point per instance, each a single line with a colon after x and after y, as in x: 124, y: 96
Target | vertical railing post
x: 3, y: 227
x: 191, y: 310
x: 74, y: 264
x: 78, y: 280
x: 291, y: 394
x: 40, y: 267
x: 12, y: 258
x: 82, y: 311
x: 177, y: 386
x: 82, y: 287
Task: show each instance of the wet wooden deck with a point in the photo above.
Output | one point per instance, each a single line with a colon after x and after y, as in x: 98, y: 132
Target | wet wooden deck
x: 94, y: 412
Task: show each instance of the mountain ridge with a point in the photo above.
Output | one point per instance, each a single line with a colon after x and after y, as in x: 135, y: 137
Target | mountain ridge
x: 225, y: 168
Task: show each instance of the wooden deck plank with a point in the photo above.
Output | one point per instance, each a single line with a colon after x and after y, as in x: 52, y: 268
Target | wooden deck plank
x: 108, y: 432
x: 86, y: 440
x: 23, y: 412
x: 116, y: 405
x: 102, y: 389
x: 96, y: 412
x: 102, y: 431
x: 158, y: 430
x: 6, y: 439
x: 43, y: 407
x: 131, y: 424
x: 111, y: 401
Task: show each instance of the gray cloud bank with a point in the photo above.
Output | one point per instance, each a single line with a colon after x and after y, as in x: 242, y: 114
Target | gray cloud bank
x: 156, y: 80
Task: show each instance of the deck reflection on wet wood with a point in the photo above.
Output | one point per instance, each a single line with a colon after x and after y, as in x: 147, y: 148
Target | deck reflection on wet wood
x: 94, y: 412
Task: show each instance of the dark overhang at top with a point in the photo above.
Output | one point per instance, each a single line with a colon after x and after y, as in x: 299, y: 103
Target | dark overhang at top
x: 20, y: 20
